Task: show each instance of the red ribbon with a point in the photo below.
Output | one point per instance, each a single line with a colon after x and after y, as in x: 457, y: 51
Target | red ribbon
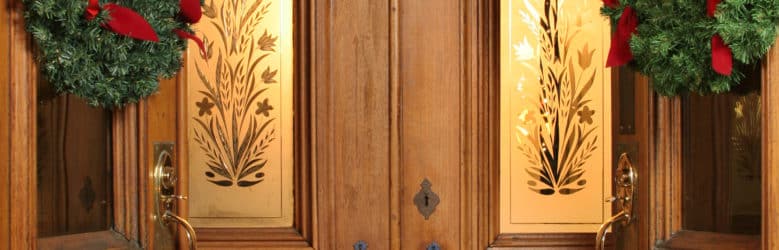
x: 721, y: 55
x: 620, y: 53
x: 123, y: 21
x: 191, y: 12
x: 611, y: 3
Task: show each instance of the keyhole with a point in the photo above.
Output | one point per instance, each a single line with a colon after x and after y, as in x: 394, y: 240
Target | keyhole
x: 427, y: 200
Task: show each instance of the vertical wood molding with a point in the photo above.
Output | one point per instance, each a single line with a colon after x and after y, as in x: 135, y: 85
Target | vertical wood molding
x: 480, y: 127
x: 395, y: 140
x: 666, y: 168
x: 22, y: 130
x: 5, y: 119
x: 489, y: 109
x: 770, y: 153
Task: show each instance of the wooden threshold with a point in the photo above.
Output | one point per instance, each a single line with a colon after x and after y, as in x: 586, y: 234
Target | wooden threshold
x: 710, y: 241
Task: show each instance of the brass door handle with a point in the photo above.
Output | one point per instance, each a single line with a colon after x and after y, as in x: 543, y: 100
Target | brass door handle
x: 190, y: 231
x: 625, y: 181
x: 600, y: 238
x: 164, y: 178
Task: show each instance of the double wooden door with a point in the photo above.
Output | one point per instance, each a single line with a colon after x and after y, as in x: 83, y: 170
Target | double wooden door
x: 395, y: 131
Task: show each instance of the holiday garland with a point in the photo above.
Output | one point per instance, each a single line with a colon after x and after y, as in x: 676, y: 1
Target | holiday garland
x: 698, y: 46
x: 110, y: 53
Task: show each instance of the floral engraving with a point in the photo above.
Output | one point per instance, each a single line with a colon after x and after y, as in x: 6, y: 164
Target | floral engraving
x: 235, y: 126
x: 559, y: 136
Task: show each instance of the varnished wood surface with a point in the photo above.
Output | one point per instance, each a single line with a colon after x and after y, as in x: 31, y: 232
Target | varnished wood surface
x: 5, y: 116
x: 73, y: 159
x: 635, y: 235
x: 431, y: 83
x: 770, y: 161
x: 352, y: 123
x: 96, y: 240
x: 691, y: 240
x: 479, y: 105
x: 666, y: 198
x: 159, y: 123
x: 666, y: 170
x: 22, y: 144
x: 579, y: 241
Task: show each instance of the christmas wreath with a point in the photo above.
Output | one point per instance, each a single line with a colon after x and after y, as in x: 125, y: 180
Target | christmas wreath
x: 701, y: 46
x: 110, y: 53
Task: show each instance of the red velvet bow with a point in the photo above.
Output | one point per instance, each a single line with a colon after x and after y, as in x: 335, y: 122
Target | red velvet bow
x: 620, y: 53
x: 721, y: 55
x: 123, y: 21
x: 191, y: 12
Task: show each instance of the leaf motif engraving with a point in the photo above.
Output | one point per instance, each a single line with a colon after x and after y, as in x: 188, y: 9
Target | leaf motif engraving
x: 234, y: 136
x: 558, y: 143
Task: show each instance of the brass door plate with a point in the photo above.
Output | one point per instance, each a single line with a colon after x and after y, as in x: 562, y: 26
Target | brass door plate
x: 426, y: 200
x: 163, y: 162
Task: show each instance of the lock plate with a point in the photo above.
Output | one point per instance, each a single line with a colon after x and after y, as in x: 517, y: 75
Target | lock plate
x: 426, y: 200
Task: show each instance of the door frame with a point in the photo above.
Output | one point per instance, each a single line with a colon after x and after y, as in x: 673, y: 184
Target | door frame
x: 302, y: 233
x: 18, y: 177
x: 666, y: 174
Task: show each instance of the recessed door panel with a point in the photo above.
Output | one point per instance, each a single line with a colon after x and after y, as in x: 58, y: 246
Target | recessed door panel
x: 555, y: 116
x: 240, y: 115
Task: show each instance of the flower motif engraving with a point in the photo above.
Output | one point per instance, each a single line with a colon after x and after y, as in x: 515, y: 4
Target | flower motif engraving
x: 233, y: 139
x: 555, y: 143
x: 264, y: 108
x: 204, y: 107
x: 585, y: 115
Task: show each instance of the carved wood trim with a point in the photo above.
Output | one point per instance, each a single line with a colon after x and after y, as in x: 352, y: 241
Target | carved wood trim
x: 480, y: 123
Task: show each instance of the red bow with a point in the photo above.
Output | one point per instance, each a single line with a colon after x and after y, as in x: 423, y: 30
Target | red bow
x: 191, y: 11
x: 123, y: 21
x: 721, y: 55
x: 620, y: 53
x: 611, y: 3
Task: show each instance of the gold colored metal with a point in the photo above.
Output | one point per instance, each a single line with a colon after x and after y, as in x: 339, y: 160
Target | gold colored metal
x: 164, y: 178
x: 601, y: 236
x: 626, y: 181
x: 190, y: 231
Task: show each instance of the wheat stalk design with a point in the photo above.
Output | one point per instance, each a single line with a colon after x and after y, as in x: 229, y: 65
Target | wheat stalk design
x: 235, y: 136
x: 557, y: 145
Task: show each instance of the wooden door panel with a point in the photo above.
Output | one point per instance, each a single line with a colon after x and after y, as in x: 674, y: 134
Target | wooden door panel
x: 430, y: 78
x: 352, y: 133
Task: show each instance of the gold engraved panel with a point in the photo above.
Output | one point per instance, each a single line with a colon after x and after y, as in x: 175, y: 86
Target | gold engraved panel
x: 555, y: 116
x: 240, y: 115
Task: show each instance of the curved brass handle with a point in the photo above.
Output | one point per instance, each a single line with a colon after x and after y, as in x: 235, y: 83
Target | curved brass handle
x: 625, y: 181
x: 600, y: 239
x: 191, y: 236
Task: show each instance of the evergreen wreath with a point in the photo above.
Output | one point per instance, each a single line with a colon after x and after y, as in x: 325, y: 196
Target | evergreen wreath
x: 701, y: 46
x: 110, y: 53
